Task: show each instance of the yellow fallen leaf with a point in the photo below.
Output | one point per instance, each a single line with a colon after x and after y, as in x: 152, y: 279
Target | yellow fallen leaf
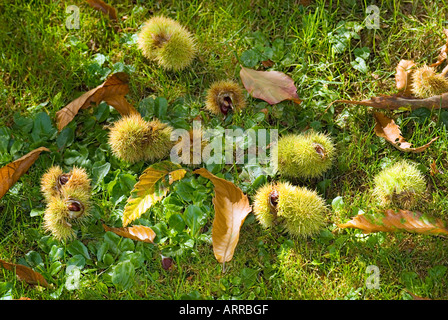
x: 150, y: 188
x: 139, y: 233
x: 231, y: 208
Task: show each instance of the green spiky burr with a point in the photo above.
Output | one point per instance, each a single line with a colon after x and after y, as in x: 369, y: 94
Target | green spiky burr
x: 300, y: 211
x: 166, y: 41
x: 307, y: 155
x: 132, y: 139
x: 400, y: 184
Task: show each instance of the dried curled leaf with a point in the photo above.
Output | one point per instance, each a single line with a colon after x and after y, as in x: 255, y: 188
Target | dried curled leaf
x: 403, y: 76
x: 231, y: 208
x: 151, y: 188
x: 387, y: 128
x: 270, y: 86
x: 392, y: 221
x: 25, y: 273
x: 111, y: 91
x: 139, y: 233
x: 11, y: 173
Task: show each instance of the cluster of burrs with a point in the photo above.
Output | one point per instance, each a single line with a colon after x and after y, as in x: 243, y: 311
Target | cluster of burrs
x: 168, y: 43
x: 68, y: 199
x: 301, y: 211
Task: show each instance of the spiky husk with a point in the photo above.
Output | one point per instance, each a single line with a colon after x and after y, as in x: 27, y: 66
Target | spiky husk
x: 401, y: 184
x: 49, y: 182
x: 78, y: 179
x: 127, y: 138
x: 302, y: 212
x: 133, y: 139
x: 59, y: 218
x: 306, y: 155
x: 427, y: 83
x: 166, y: 41
x: 55, y: 182
x: 223, y: 96
x: 159, y: 142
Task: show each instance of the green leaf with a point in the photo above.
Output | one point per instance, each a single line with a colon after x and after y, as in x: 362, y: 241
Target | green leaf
x: 56, y: 253
x: 420, y: 115
x: 113, y: 240
x: 126, y: 244
x: 437, y: 272
x: 55, y: 267
x: 249, y: 277
x: 77, y: 260
x: 137, y: 258
x: 42, y: 127
x: 337, y: 203
x: 33, y: 259
x: 362, y: 53
x: 5, y: 136
x: 99, y: 171
x: 444, y: 118
x: 193, y: 295
x: 123, y: 275
x: 278, y: 49
x: 6, y: 290
x: 102, y: 112
x: 176, y: 222
x: 195, y: 218
x: 250, y: 58
x: 65, y: 137
x: 102, y: 251
x: 23, y: 124
x: 160, y: 108
x: 360, y: 65
x: 77, y: 247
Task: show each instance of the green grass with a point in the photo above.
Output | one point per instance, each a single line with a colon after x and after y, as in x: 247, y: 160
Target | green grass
x: 44, y: 66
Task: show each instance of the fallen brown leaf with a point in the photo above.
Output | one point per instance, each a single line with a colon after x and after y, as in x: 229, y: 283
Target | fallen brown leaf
x: 392, y: 221
x: 111, y: 91
x: 395, y: 102
x: 11, y: 173
x: 231, y: 208
x: 403, y: 76
x: 139, y: 233
x: 387, y: 128
x: 104, y: 8
x: 25, y: 273
x: 270, y: 86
